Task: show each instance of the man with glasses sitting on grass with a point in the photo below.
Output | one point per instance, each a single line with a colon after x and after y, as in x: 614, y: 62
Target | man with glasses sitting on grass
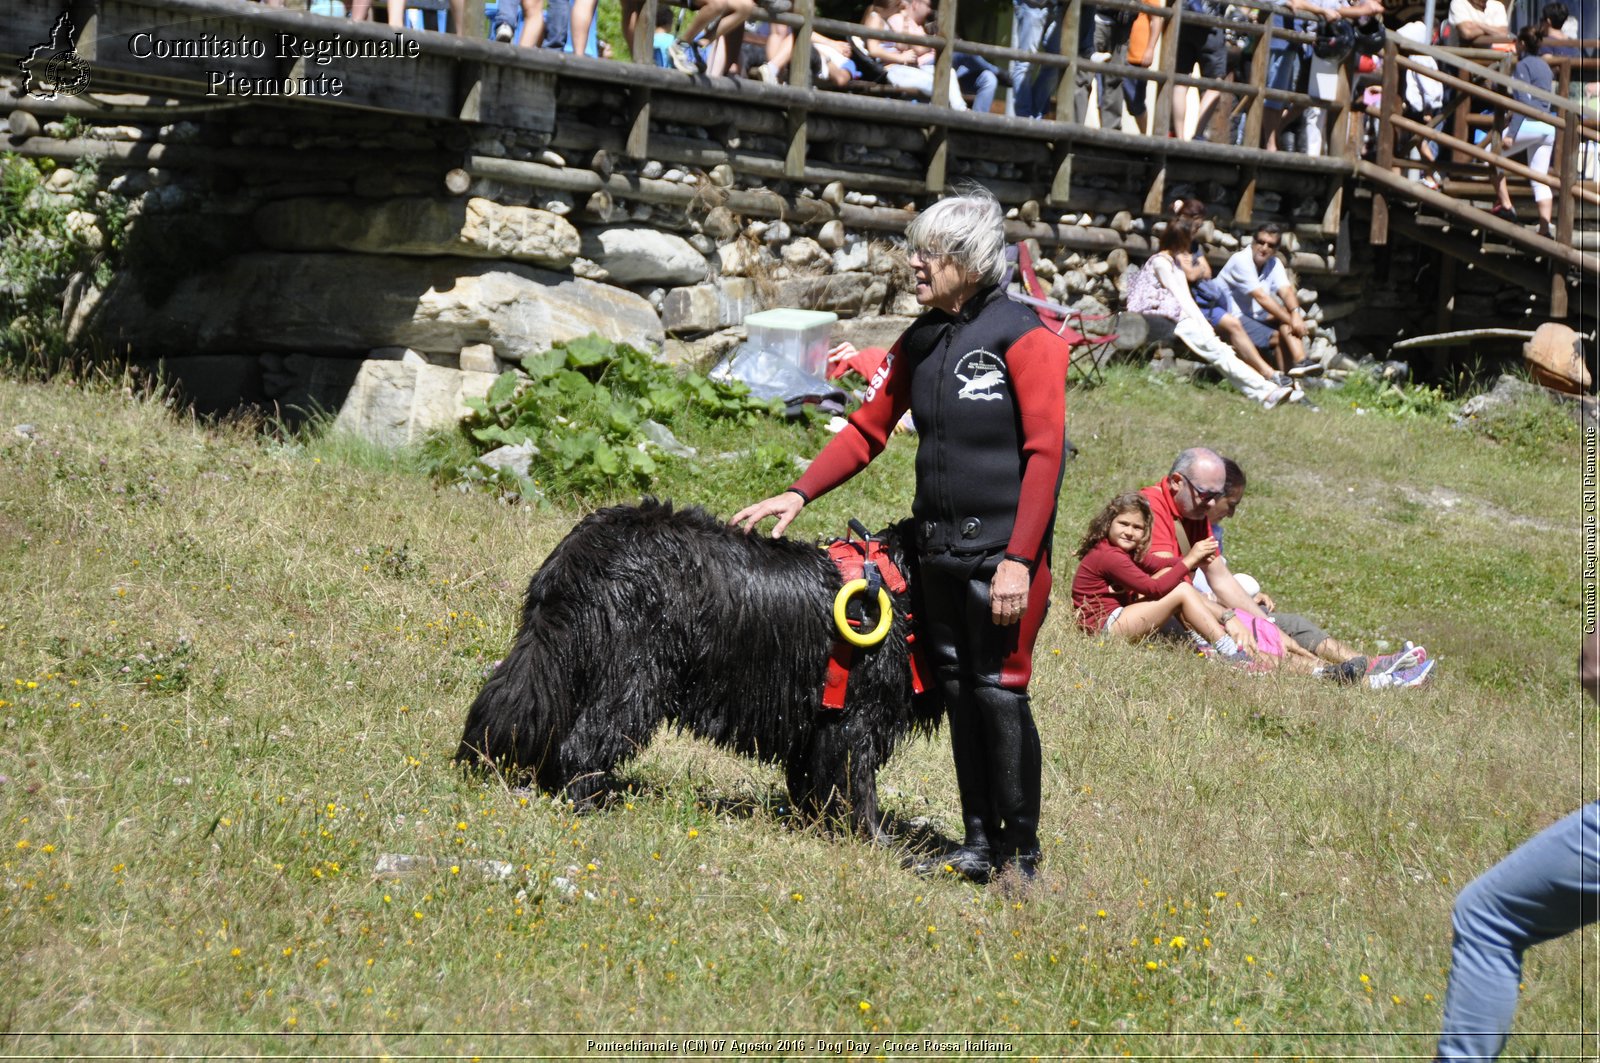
x: 1180, y: 508
x: 1265, y: 302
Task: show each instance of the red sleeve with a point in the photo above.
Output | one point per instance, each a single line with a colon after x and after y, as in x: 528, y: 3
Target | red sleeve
x: 864, y: 436
x: 1038, y: 365
x: 1120, y: 569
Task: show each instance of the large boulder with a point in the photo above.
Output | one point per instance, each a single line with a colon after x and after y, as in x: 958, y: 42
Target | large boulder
x: 272, y: 301
x: 636, y: 255
x: 398, y: 402
x: 707, y: 307
x: 475, y: 227
x: 1555, y: 358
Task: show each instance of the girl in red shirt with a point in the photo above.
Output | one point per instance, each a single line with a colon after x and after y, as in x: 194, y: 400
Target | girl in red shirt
x: 1112, y: 593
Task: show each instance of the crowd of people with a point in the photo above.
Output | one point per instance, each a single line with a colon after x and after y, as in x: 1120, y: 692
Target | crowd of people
x: 728, y: 38
x: 724, y: 37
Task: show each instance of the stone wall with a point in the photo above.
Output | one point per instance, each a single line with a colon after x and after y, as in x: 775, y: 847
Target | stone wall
x: 298, y: 259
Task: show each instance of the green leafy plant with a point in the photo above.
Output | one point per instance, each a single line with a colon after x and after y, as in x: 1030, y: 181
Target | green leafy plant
x: 39, y: 252
x: 1535, y: 425
x: 587, y: 407
x: 1368, y: 392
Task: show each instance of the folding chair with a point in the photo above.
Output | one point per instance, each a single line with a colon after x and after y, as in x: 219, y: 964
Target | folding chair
x: 1089, y: 351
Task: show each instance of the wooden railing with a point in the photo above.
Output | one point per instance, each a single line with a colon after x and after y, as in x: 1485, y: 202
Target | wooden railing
x: 1251, y: 95
x: 470, y: 79
x: 1482, y: 101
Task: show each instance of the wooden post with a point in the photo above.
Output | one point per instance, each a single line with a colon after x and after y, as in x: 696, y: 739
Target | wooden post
x: 1061, y: 184
x: 86, y: 16
x: 1336, y: 223
x: 1565, y: 194
x: 939, y: 139
x: 794, y: 160
x: 637, y: 145
x: 1447, y: 293
x: 1067, y: 46
x: 642, y: 44
x: 469, y: 90
x: 473, y: 20
x: 1340, y: 140
x: 1155, y: 199
x: 1161, y: 122
x: 1387, y: 135
x: 1244, y: 210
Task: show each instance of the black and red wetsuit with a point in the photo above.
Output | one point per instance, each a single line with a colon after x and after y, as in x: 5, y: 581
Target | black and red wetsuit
x: 987, y: 388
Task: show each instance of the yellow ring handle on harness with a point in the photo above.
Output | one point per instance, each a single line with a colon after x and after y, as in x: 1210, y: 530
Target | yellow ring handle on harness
x: 842, y: 622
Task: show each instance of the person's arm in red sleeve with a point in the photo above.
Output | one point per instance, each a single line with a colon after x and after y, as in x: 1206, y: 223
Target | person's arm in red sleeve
x: 1123, y: 571
x: 1038, y: 365
x: 864, y: 436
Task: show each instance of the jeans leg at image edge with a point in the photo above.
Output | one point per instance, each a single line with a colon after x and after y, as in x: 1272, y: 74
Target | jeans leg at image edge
x: 1547, y: 887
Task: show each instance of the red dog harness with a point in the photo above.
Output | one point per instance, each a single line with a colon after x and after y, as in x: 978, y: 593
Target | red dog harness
x: 865, y: 560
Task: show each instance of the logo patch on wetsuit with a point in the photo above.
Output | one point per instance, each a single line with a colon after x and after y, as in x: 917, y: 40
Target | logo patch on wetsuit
x: 878, y: 378
x: 982, y: 374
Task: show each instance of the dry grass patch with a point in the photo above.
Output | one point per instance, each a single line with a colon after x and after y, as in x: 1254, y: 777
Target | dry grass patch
x: 236, y: 669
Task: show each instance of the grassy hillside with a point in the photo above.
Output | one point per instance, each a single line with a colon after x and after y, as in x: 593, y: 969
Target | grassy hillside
x: 234, y: 672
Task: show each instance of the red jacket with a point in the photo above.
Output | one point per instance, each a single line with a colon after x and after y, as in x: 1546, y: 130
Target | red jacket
x: 1107, y: 577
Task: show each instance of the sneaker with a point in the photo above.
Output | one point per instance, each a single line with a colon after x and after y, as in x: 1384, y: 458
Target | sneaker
x: 769, y: 73
x: 682, y: 57
x: 1414, y: 676
x: 1504, y: 213
x: 503, y: 32
x: 1283, y: 380
x: 1305, y: 368
x: 1277, y: 395
x: 1409, y: 657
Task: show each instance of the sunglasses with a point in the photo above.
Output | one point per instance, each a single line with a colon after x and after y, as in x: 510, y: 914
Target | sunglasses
x: 1271, y: 245
x: 1206, y: 497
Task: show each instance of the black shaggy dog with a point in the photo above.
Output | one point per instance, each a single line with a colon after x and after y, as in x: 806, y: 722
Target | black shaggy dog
x: 645, y: 613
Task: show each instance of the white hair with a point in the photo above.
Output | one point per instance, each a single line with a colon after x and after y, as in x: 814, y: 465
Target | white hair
x: 969, y: 227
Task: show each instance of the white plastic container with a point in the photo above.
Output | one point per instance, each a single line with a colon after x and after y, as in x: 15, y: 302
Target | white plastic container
x: 801, y: 336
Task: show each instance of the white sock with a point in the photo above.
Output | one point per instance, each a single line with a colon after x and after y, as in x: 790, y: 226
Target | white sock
x: 1225, y: 646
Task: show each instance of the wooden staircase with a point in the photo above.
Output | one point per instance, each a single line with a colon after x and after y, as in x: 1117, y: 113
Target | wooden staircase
x: 1453, y: 218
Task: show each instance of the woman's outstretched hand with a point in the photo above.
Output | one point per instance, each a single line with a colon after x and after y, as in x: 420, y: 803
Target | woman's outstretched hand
x: 786, y: 507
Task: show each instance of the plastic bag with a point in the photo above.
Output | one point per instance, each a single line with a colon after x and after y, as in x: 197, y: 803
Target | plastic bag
x: 770, y: 375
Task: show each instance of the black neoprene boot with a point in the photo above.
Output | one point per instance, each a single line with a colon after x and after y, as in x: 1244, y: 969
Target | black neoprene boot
x: 968, y: 739
x: 1015, y: 765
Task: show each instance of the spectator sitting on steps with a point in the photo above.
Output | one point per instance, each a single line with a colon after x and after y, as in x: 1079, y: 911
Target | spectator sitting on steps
x: 1325, y: 73
x: 1479, y: 23
x: 909, y: 66
x: 1265, y: 302
x: 1212, y: 297
x: 1160, y: 289
x: 713, y: 19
